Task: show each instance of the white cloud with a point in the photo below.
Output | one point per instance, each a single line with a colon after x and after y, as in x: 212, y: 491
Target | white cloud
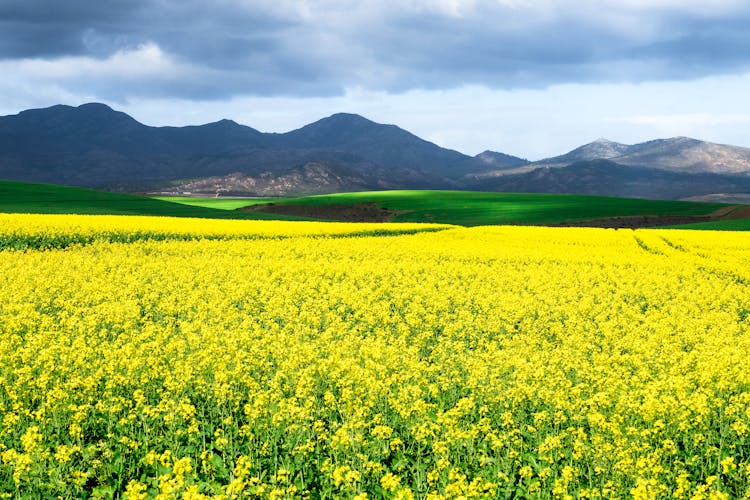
x: 146, y: 60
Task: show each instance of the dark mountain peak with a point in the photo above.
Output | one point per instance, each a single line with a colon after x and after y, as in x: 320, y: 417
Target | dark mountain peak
x: 66, y: 130
x: 97, y: 107
x: 102, y: 113
x: 339, y: 125
x: 55, y: 109
x: 236, y: 134
x: 214, y: 130
x: 344, y: 129
x: 385, y: 145
x: 346, y: 118
x: 223, y: 124
x: 94, y: 115
x: 89, y: 109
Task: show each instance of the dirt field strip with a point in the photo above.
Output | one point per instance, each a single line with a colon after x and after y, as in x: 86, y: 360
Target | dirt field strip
x: 356, y: 212
x: 734, y: 212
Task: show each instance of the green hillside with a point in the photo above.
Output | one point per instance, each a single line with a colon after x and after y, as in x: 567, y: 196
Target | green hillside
x: 465, y: 208
x: 722, y: 225
x: 478, y: 208
x: 22, y: 197
x: 217, y: 203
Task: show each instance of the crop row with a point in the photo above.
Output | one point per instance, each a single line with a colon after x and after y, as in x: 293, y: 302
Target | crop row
x: 48, y: 232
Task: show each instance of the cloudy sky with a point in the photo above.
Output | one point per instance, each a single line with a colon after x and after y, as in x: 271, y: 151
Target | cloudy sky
x: 532, y: 78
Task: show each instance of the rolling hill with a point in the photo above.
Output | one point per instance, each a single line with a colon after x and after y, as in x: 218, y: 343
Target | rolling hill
x: 452, y: 207
x: 23, y: 197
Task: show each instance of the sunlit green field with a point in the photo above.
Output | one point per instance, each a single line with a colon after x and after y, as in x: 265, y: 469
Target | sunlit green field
x: 23, y: 197
x: 464, y: 208
x: 469, y: 208
x: 216, y: 203
x: 723, y: 225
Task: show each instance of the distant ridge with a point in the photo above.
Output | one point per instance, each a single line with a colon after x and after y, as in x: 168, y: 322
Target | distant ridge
x: 678, y: 154
x: 608, y: 178
x: 93, y: 145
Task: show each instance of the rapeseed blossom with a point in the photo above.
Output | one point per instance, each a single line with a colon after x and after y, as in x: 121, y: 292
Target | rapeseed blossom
x: 165, y: 358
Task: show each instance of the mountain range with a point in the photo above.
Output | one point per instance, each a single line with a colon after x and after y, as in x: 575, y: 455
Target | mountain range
x: 93, y: 145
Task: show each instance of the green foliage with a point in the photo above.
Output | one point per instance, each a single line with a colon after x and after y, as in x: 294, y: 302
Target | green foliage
x: 468, y: 208
x: 22, y: 197
x: 723, y: 225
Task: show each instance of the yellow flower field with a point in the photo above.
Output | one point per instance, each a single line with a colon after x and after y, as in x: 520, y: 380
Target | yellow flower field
x: 166, y: 358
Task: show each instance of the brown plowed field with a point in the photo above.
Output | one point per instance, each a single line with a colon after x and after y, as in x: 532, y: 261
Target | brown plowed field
x: 357, y: 212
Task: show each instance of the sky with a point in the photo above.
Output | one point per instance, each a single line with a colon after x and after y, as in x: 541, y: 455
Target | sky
x: 532, y: 78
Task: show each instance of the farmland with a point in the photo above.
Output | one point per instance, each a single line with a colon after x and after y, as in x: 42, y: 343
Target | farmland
x: 219, y: 203
x: 30, y: 198
x: 471, y: 208
x: 724, y: 225
x: 160, y: 357
x: 464, y: 208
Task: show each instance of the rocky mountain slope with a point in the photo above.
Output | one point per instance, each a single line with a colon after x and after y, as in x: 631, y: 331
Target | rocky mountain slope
x: 608, y: 178
x: 95, y: 146
x: 677, y: 154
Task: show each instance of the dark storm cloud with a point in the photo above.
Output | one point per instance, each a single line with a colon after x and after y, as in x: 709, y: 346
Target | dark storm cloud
x: 452, y: 53
x: 43, y: 28
x: 286, y: 47
x: 695, y: 47
x: 195, y: 30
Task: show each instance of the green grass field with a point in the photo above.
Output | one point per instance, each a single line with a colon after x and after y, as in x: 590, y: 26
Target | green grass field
x: 464, y: 208
x: 475, y: 209
x: 217, y: 203
x: 722, y: 225
x: 22, y: 197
